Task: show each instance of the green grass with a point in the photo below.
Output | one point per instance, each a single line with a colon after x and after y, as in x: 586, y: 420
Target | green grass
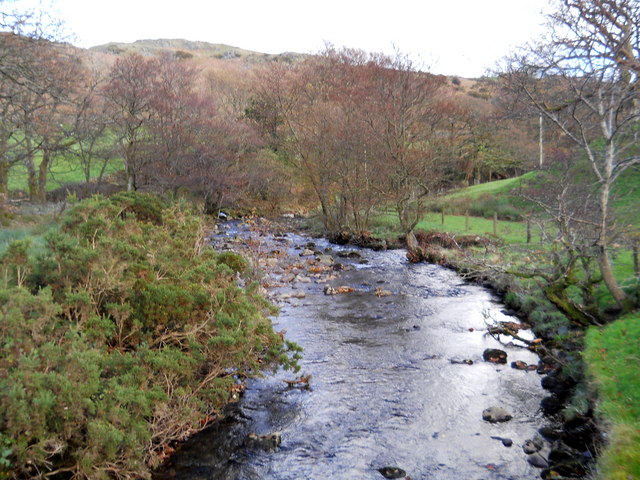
x: 626, y: 196
x: 612, y: 355
x: 497, y: 187
x: 64, y: 171
x: 509, y: 232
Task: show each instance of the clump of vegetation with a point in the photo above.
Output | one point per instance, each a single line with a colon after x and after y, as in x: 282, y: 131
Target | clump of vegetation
x: 127, y: 334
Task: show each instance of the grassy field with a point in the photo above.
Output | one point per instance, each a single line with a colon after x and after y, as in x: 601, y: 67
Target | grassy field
x: 613, y: 359
x: 63, y: 171
x: 497, y: 187
x: 510, y: 232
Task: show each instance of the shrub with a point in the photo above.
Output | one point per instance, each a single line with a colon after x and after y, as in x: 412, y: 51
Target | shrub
x: 128, y: 333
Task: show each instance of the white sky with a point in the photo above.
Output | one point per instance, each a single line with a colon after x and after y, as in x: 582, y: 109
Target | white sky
x: 461, y: 37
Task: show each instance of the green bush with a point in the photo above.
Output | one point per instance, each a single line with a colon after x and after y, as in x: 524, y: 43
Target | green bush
x: 127, y: 334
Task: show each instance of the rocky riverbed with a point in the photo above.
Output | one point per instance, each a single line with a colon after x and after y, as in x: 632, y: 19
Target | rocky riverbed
x: 395, y: 379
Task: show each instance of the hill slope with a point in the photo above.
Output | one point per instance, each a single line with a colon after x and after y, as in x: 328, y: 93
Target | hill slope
x: 182, y: 48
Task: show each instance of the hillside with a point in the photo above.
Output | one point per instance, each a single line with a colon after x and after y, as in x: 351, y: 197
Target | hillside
x: 182, y: 48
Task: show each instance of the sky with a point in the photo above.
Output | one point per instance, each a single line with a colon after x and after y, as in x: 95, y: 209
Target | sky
x: 451, y: 37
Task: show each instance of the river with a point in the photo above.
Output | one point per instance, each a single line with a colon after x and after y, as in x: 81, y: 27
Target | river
x: 397, y: 378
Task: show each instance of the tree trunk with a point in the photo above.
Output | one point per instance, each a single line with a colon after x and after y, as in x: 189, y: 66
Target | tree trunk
x: 603, y: 244
x: 557, y: 294
x: 43, y: 170
x: 32, y: 177
x: 4, y: 178
x: 606, y: 270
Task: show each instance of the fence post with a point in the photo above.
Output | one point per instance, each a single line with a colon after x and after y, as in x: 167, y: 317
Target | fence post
x: 636, y: 266
x: 528, y: 228
x: 442, y: 215
x: 495, y: 223
x: 466, y: 220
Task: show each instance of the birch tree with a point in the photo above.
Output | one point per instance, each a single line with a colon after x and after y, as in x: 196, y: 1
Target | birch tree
x: 583, y: 79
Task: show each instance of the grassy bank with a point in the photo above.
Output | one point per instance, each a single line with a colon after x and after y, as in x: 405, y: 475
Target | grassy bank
x: 612, y: 355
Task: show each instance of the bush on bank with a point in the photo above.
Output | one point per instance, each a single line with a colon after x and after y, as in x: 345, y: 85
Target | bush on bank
x: 127, y: 334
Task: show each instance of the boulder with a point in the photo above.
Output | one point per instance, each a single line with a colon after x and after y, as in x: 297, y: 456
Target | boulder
x: 494, y: 355
x: 496, y: 415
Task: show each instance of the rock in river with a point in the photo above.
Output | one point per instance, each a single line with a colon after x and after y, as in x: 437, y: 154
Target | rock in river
x: 269, y: 442
x: 495, y: 355
x: 496, y: 414
x: 532, y: 446
x: 392, y: 472
x: 537, y: 461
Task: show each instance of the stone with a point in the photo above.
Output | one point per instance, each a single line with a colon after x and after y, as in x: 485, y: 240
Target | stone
x: 537, y: 460
x: 550, y: 433
x: 494, y: 355
x: 392, y: 472
x: 551, y: 404
x: 307, y: 253
x: 519, y: 365
x: 379, y: 292
x: 325, y: 259
x: 561, y: 453
x: 269, y: 442
x: 271, y: 262
x: 496, y: 414
x: 349, y: 254
x: 531, y: 446
x: 507, y: 442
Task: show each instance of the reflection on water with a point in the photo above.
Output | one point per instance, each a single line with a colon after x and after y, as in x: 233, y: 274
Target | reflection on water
x: 385, y: 386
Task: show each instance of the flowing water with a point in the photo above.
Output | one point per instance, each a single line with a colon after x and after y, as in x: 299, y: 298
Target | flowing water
x: 389, y: 386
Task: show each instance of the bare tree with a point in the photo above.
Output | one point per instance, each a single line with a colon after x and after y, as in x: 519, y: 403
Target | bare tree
x: 89, y: 127
x: 129, y: 92
x: 584, y: 80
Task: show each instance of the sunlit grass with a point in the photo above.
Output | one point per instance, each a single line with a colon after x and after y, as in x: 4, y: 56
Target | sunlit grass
x: 494, y: 188
x: 63, y: 172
